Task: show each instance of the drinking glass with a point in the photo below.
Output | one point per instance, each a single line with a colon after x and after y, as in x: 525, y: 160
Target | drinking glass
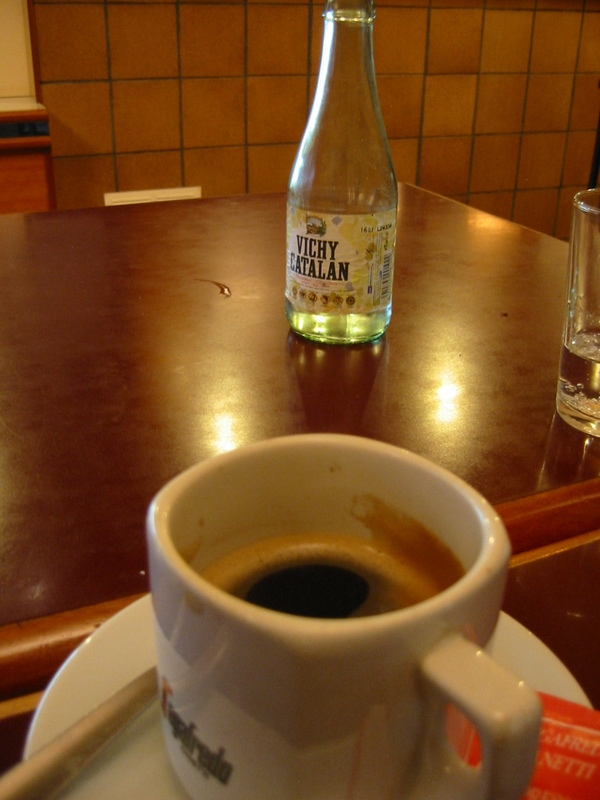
x: 578, y: 394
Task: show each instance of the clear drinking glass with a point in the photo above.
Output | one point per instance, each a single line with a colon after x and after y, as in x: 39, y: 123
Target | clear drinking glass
x: 578, y: 394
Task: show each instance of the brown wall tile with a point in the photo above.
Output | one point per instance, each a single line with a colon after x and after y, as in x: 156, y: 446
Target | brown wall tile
x: 277, y: 40
x: 213, y: 111
x: 211, y: 40
x: 279, y: 122
x: 548, y: 103
x: 561, y: 5
x: 82, y: 181
x: 399, y: 40
x: 495, y: 160
x: 500, y: 103
x: 148, y: 170
x: 445, y: 164
x: 405, y: 156
x: 449, y: 104
x: 454, y: 40
x: 589, y: 50
x: 555, y: 42
x: 146, y: 115
x: 508, y: 5
x: 218, y: 170
x: 71, y: 42
x: 457, y: 3
x: 537, y: 209
x: 411, y: 3
x: 316, y: 42
x: 497, y: 203
x: 401, y: 99
x: 80, y: 118
x: 269, y: 167
x: 578, y: 158
x: 586, y: 103
x: 506, y: 41
x: 143, y: 41
x: 565, y: 211
x: 278, y: 2
x: 541, y: 160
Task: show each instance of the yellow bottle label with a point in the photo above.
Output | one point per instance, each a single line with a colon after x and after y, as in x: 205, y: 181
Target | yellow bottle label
x: 339, y: 263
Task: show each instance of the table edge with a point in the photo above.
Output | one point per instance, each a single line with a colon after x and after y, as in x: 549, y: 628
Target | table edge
x: 32, y: 650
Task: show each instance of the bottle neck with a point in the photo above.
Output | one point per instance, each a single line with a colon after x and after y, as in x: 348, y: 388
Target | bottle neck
x: 347, y: 71
x: 344, y: 163
x: 361, y: 11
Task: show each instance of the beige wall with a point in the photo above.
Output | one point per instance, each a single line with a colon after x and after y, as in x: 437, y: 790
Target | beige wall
x: 494, y: 102
x: 16, y: 67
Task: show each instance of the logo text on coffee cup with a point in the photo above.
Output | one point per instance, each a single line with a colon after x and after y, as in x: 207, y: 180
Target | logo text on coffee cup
x: 208, y: 762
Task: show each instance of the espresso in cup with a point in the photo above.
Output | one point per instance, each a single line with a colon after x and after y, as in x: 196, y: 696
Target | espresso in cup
x: 306, y: 705
x: 335, y: 575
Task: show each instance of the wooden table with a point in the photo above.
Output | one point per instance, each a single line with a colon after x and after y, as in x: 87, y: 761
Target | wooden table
x: 137, y: 340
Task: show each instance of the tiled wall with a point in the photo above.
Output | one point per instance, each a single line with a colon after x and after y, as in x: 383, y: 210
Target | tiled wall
x: 494, y: 102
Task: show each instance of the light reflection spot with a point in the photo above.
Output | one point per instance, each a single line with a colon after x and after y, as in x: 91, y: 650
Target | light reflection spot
x: 225, y: 436
x: 447, y: 394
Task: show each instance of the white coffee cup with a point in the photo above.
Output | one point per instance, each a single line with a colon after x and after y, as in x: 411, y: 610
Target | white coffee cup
x: 261, y: 704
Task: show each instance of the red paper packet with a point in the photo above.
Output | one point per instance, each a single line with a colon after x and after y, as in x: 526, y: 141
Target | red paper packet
x: 568, y: 759
x: 568, y: 762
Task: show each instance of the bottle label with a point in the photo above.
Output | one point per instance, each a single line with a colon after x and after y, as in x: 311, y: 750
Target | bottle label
x: 340, y: 263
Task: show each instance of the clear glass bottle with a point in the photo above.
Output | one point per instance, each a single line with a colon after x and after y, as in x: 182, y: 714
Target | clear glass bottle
x: 342, y: 195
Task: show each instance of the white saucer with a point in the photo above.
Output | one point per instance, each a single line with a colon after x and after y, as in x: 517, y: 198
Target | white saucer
x: 135, y: 765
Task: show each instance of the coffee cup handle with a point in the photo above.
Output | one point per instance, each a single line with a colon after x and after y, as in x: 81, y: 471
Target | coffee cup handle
x: 505, y: 713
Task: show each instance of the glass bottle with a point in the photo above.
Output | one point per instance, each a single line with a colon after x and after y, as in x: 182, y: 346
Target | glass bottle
x: 342, y: 194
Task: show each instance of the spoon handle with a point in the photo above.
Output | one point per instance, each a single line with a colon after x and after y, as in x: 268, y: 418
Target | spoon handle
x: 56, y: 764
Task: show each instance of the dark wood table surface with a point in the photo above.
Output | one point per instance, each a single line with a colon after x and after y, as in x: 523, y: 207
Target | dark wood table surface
x: 137, y: 340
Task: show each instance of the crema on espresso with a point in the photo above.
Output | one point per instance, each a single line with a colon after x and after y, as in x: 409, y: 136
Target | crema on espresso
x: 329, y: 574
